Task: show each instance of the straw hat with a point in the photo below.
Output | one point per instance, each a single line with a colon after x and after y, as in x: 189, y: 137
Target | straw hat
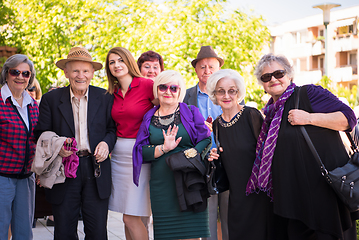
x: 207, y: 52
x: 78, y: 54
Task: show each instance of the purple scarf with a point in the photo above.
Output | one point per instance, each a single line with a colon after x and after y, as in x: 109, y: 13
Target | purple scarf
x: 192, y: 121
x: 71, y: 163
x: 261, y: 177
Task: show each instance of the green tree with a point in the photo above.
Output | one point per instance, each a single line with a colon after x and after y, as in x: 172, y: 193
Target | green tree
x: 47, y: 29
x: 340, y: 91
x: 6, y: 17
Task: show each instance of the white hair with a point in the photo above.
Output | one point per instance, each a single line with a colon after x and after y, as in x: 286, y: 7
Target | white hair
x: 226, y: 73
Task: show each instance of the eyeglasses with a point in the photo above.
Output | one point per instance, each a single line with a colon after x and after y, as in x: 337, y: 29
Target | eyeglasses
x: 16, y: 73
x: 277, y: 74
x: 164, y: 88
x: 97, y: 172
x: 32, y: 89
x: 222, y: 92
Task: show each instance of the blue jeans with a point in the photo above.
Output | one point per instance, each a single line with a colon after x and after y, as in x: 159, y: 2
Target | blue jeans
x: 17, y: 203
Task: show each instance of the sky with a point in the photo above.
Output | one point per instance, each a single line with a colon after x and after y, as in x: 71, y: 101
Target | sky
x: 279, y: 11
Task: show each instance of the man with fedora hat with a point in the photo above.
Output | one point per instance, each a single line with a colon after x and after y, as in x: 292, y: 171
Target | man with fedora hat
x: 206, y: 63
x: 82, y: 112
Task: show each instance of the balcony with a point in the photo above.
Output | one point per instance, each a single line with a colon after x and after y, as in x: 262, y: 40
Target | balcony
x: 307, y: 77
x: 343, y: 74
x: 318, y: 48
x: 345, y: 43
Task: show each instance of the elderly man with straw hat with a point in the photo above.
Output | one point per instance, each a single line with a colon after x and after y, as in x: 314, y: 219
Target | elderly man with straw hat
x: 81, y: 112
x: 207, y: 63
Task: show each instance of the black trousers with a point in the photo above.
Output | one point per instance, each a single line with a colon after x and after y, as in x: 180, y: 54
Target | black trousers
x: 81, y: 193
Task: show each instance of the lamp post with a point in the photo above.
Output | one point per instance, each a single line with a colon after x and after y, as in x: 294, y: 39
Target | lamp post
x: 326, y: 19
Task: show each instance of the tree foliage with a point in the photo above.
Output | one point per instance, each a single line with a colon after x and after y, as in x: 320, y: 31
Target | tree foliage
x: 47, y: 29
x: 340, y: 91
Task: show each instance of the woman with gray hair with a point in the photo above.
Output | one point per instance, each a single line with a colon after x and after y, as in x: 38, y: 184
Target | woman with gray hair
x: 305, y: 206
x: 18, y: 118
x: 167, y: 129
x: 237, y: 130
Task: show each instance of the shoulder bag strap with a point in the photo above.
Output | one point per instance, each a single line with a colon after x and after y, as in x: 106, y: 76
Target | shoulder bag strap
x: 216, y: 140
x: 354, y: 147
x: 309, y: 141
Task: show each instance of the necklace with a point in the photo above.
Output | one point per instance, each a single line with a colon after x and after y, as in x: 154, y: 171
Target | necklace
x: 166, y: 120
x: 17, y: 99
x: 231, y: 123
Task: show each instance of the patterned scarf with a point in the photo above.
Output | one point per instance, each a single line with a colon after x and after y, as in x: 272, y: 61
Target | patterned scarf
x: 261, y: 177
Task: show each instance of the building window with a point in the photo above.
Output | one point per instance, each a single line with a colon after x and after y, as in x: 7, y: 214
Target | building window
x: 353, y: 62
x: 345, y: 30
x: 321, y: 32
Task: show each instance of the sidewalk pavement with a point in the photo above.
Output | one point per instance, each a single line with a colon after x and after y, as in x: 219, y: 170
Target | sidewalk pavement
x: 115, y: 229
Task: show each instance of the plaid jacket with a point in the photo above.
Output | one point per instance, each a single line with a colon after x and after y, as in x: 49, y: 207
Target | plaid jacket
x: 17, y: 144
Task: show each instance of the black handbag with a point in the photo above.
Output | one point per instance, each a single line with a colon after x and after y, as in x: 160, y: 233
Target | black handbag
x: 344, y: 180
x: 217, y: 180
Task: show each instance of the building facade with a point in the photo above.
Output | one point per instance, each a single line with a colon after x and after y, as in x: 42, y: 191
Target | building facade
x: 303, y: 42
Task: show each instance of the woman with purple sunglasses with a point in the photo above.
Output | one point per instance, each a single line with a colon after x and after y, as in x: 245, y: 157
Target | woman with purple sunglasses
x: 305, y: 206
x: 18, y: 118
x: 166, y: 130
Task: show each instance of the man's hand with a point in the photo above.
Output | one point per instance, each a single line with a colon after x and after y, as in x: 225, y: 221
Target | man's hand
x: 65, y: 153
x: 101, y: 152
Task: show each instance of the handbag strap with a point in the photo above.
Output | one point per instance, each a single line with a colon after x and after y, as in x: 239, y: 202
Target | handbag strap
x: 323, y: 170
x: 216, y: 139
x: 353, y: 146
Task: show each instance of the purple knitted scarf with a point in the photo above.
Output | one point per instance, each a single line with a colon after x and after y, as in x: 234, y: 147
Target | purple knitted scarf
x: 261, y: 177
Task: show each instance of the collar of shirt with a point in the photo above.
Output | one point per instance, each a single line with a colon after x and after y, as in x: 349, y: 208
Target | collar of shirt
x: 207, y: 108
x: 135, y: 83
x: 72, y: 96
x: 5, y: 93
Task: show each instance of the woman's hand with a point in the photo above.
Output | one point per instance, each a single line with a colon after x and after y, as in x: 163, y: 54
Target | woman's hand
x: 209, y: 125
x: 335, y: 120
x: 37, y: 180
x: 170, y: 142
x: 213, y: 154
x: 298, y: 117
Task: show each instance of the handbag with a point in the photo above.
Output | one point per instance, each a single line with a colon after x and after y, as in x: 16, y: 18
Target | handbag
x: 344, y: 180
x: 217, y: 180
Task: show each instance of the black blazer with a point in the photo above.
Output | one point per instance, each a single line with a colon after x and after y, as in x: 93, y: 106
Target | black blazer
x: 191, y: 96
x: 56, y: 115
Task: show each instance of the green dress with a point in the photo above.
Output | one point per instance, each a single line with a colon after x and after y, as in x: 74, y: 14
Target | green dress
x: 168, y: 221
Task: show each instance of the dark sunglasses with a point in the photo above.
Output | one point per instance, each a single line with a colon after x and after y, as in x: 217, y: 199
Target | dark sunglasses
x: 222, y: 92
x: 32, y: 89
x: 97, y: 172
x: 16, y: 73
x: 277, y: 74
x: 164, y: 88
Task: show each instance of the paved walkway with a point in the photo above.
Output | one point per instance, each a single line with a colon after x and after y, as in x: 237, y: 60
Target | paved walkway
x: 115, y: 228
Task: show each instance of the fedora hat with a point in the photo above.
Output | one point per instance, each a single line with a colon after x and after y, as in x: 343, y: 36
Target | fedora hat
x: 78, y: 54
x: 207, y: 52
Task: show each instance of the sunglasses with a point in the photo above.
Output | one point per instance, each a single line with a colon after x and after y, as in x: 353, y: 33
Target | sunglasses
x: 164, y: 88
x: 16, y: 73
x: 97, y: 172
x: 222, y: 92
x: 277, y: 74
x: 32, y: 89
